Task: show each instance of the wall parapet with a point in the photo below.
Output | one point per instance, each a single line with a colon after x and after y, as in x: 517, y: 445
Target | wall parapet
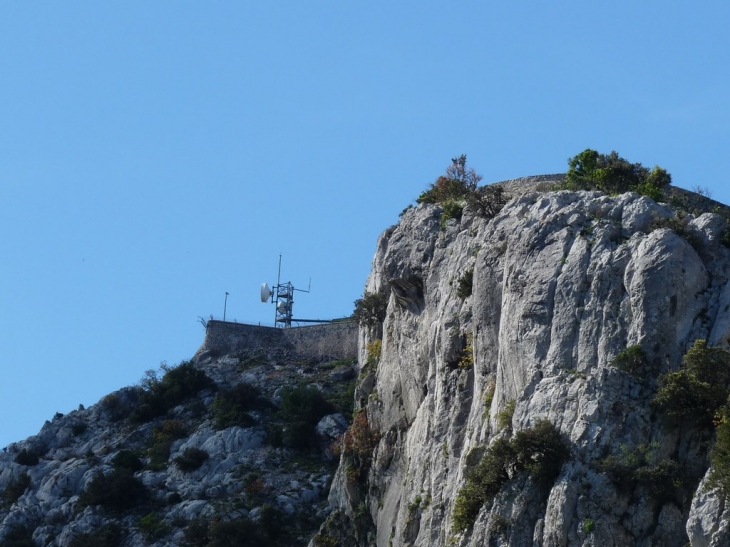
x: 336, y: 340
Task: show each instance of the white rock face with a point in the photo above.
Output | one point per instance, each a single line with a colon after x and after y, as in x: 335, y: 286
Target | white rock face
x: 562, y: 282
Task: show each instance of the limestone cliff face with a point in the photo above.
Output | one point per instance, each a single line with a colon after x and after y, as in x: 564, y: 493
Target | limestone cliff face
x: 562, y: 282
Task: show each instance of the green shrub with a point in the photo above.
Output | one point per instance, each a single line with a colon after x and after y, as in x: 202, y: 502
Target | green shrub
x: 27, y: 457
x: 612, y: 174
x: 153, y: 527
x: 640, y: 467
x: 466, y: 282
x: 109, y: 535
x: 682, y: 397
x: 117, y: 491
x: 488, y: 201
x: 370, y: 310
x: 267, y: 532
x: 343, y: 400
x: 197, y: 532
x: 375, y: 348
x: 680, y: 226
x: 539, y: 451
x: 467, y: 354
x: 116, y: 407
x: 697, y: 391
x: 162, y: 438
x: 305, y: 403
x: 710, y: 365
x: 191, y: 459
x: 79, y: 428
x: 16, y: 488
x: 456, y: 184
x: 18, y: 536
x: 231, y: 407
x: 451, y: 209
x: 177, y: 385
x: 504, y: 416
x: 720, y: 454
x: 632, y: 361
x: 725, y: 239
x: 489, y: 397
x: 126, y: 459
x: 483, y: 483
x: 301, y: 409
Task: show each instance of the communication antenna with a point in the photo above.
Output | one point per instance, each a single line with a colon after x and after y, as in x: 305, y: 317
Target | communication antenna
x: 282, y: 295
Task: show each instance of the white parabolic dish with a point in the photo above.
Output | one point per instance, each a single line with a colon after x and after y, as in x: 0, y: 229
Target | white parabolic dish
x: 265, y: 292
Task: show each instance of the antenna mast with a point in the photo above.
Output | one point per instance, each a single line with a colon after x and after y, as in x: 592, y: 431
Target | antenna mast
x: 282, y: 295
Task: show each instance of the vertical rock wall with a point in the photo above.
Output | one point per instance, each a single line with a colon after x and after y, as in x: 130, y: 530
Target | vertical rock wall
x: 562, y: 282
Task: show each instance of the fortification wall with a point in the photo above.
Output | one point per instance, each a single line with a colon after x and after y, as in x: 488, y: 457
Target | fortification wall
x: 326, y: 341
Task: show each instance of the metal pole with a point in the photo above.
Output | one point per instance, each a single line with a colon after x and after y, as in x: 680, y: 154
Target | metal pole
x: 225, y: 303
x: 278, y: 282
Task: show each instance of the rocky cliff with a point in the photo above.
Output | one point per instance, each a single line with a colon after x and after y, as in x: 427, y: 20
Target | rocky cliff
x: 508, y: 396
x: 494, y: 326
x: 232, y: 448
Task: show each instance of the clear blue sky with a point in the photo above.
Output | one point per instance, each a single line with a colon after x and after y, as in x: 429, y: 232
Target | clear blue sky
x: 154, y: 155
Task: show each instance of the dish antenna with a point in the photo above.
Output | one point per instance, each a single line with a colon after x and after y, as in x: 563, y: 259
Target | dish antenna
x: 265, y: 292
x: 282, y: 294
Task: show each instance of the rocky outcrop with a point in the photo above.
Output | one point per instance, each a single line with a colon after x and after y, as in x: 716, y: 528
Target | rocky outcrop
x: 495, y: 324
x: 186, y: 473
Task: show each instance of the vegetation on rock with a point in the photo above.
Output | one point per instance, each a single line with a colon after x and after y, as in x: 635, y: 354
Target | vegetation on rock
x: 191, y: 459
x: 232, y: 406
x: 358, y: 444
x: 301, y: 409
x: 177, y: 385
x: 109, y: 535
x: 27, y: 457
x: 612, y: 174
x: 697, y: 391
x: 641, y: 467
x: 458, y: 183
x: 466, y: 282
x: 539, y: 451
x: 459, y: 186
x: 16, y: 488
x: 632, y: 361
x: 117, y: 491
x: 370, y: 309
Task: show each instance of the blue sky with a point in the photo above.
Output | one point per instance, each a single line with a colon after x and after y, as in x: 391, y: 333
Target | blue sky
x: 155, y: 155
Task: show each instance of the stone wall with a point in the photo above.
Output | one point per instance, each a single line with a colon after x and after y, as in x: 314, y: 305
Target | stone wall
x: 327, y: 341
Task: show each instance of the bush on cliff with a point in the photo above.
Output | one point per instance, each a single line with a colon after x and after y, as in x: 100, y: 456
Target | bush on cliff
x: 641, y: 467
x: 232, y: 406
x: 268, y: 531
x: 696, y: 392
x: 177, y: 385
x: 109, y: 535
x: 15, y: 488
x: 539, y: 451
x: 117, y: 491
x: 632, y: 361
x: 457, y: 184
x: 191, y: 459
x: 612, y: 174
x: 357, y: 446
x: 27, y: 457
x: 720, y: 455
x: 370, y: 309
x: 18, y: 536
x: 301, y: 409
x: 161, y: 441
